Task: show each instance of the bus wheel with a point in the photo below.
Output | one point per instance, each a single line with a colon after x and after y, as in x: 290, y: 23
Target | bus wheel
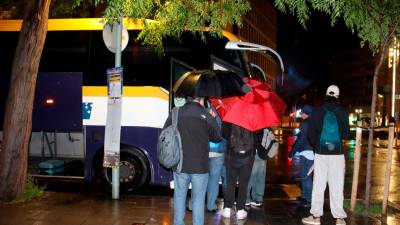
x: 133, y: 170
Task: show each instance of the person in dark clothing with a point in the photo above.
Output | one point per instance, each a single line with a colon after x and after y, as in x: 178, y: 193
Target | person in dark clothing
x: 305, y: 150
x: 197, y: 127
x: 329, y: 161
x: 238, y: 168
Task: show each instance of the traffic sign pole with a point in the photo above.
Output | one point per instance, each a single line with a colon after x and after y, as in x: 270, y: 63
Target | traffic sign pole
x: 115, y: 170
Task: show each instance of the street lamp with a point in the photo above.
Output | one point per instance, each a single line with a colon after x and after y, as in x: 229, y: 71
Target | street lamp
x: 392, y: 62
x: 379, y: 122
x: 358, y: 112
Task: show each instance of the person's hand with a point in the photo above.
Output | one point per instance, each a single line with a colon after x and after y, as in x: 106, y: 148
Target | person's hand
x: 212, y: 113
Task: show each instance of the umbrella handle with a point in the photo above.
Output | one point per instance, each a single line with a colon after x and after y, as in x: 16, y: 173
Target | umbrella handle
x: 221, y: 104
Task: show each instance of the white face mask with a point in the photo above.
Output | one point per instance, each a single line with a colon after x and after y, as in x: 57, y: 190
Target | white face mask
x: 178, y: 102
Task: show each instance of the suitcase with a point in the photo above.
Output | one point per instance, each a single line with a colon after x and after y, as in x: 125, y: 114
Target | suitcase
x: 50, y: 167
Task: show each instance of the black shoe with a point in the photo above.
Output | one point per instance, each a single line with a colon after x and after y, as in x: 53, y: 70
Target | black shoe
x: 212, y: 210
x: 306, y: 204
x: 300, y: 199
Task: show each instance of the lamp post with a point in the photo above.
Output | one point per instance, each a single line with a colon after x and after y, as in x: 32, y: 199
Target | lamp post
x: 392, y: 62
x: 378, y: 119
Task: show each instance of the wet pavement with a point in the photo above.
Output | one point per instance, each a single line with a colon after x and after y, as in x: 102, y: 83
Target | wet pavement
x: 282, y: 170
x: 66, y: 208
x: 153, y: 205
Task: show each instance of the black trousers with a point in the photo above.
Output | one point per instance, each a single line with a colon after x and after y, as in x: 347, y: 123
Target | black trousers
x: 237, y: 168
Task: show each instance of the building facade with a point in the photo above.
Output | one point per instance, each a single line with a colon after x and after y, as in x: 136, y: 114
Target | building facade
x: 353, y: 71
x: 260, y: 27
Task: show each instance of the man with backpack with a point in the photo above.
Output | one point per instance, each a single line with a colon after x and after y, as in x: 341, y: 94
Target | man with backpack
x: 196, y: 127
x: 239, y: 160
x: 266, y: 148
x: 329, y: 125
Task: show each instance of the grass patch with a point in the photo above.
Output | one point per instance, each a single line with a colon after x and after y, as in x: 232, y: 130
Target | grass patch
x: 32, y: 190
x: 374, y: 209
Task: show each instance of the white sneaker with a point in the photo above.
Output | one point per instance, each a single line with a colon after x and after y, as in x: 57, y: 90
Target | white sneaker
x: 311, y: 220
x: 241, y: 214
x: 226, y: 212
x: 340, y: 222
x: 256, y: 203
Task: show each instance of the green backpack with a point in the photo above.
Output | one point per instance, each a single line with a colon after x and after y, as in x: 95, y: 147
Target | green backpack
x: 330, y: 141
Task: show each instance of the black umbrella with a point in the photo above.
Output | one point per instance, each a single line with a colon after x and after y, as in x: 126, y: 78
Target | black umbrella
x: 209, y: 83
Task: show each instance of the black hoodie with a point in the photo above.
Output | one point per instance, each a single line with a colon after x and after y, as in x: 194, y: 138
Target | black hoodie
x: 196, y: 127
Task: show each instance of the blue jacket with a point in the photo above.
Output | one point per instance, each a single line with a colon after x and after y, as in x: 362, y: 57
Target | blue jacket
x: 218, y: 146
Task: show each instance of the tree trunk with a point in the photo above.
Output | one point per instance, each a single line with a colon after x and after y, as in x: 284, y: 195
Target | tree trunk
x: 18, y: 115
x: 372, y: 123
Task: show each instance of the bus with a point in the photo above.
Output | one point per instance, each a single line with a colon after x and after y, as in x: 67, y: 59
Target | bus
x: 70, y: 103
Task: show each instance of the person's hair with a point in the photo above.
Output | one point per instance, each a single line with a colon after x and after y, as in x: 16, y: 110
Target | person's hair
x: 192, y: 99
x: 189, y: 98
x: 329, y: 98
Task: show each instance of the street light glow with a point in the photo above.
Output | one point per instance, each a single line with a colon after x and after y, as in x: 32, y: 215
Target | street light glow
x: 393, y: 61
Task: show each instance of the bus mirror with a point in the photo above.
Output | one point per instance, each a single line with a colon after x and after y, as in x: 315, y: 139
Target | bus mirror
x: 242, y: 46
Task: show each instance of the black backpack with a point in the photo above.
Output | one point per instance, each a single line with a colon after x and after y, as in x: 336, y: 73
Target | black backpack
x: 241, y: 140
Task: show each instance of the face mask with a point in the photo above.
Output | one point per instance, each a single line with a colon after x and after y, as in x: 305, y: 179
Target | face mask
x: 178, y: 102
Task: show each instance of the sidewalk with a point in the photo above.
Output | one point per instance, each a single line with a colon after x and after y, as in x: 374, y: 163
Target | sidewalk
x: 62, y: 208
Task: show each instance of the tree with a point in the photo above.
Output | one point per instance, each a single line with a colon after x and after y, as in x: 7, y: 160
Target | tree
x: 18, y: 115
x: 172, y: 18
x: 376, y: 23
x: 168, y: 19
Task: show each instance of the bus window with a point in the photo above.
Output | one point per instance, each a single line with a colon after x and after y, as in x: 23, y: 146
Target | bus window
x: 178, y: 69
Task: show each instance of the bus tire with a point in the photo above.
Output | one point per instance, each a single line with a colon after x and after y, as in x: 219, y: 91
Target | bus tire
x: 134, y: 170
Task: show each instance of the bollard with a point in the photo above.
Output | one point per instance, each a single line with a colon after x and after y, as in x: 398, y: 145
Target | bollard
x: 388, y: 169
x: 356, y: 170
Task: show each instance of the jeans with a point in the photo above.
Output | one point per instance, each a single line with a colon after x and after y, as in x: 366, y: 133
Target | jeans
x: 256, y: 186
x: 216, y: 170
x: 306, y: 181
x: 181, y: 186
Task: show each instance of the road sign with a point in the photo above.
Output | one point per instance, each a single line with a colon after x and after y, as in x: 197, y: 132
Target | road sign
x: 109, y: 38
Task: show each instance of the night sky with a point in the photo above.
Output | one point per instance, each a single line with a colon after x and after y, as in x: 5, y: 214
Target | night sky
x: 307, y: 53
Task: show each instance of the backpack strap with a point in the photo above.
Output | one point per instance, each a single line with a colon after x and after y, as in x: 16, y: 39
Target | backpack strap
x: 175, y: 112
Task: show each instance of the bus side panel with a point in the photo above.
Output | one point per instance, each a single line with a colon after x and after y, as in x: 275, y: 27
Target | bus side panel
x: 144, y: 138
x: 94, y: 143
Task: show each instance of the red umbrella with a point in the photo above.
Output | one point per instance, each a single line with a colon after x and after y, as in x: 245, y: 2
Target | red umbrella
x: 258, y: 109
